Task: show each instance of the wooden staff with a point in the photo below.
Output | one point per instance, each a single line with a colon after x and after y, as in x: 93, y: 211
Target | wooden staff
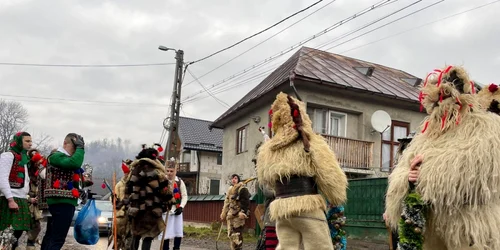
x: 114, y: 212
x: 166, y: 215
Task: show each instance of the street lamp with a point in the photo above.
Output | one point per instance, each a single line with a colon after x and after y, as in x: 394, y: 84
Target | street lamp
x: 161, y: 47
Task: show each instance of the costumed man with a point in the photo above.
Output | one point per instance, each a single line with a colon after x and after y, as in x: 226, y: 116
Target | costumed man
x: 455, y: 202
x: 37, y: 163
x: 268, y: 239
x: 122, y: 226
x: 175, y: 225
x: 14, y: 187
x: 62, y: 189
x: 489, y: 98
x: 297, y: 163
x: 148, y: 195
x: 336, y: 222
x: 235, y: 211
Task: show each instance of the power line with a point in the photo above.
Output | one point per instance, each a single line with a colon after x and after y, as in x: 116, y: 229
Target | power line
x: 283, y: 52
x: 76, y: 101
x: 307, y: 54
x: 84, y: 65
x: 421, y: 26
x: 260, y: 32
x: 267, y: 39
x: 206, y: 90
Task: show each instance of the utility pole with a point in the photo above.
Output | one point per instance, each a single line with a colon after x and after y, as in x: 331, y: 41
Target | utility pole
x: 172, y: 122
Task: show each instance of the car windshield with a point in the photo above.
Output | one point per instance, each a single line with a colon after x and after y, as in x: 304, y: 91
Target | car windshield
x: 104, y: 205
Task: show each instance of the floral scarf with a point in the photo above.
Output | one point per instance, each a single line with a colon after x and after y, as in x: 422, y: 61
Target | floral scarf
x: 16, y: 145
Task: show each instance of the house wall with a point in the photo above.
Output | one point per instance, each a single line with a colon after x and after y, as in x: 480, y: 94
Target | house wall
x: 209, y: 170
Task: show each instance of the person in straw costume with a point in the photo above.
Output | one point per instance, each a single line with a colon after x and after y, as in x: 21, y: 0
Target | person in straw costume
x: 123, y: 234
x: 489, y: 98
x: 297, y: 164
x: 175, y: 225
x: 458, y: 172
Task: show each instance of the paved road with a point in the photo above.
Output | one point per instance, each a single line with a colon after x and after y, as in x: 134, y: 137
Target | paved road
x: 103, y: 243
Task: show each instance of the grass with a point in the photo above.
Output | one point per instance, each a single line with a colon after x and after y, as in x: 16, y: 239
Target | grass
x: 213, y: 232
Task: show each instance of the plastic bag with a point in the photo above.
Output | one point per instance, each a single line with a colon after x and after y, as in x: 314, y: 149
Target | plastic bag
x: 86, y: 229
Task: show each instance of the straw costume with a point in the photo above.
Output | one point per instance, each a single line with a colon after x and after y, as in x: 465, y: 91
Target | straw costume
x: 489, y: 98
x: 123, y: 234
x: 297, y: 163
x: 459, y: 175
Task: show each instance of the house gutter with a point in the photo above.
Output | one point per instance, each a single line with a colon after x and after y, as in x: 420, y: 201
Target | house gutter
x: 198, y: 154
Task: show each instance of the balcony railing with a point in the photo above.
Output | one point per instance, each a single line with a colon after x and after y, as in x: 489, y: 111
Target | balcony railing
x: 183, y: 167
x: 351, y: 153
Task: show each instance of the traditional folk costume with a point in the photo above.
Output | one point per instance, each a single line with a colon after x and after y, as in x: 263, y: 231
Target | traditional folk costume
x: 37, y: 163
x: 14, y: 183
x: 175, y: 224
x: 236, y: 204
x: 336, y: 221
x: 124, y: 236
x: 147, y: 195
x: 489, y: 98
x: 296, y: 162
x: 456, y: 197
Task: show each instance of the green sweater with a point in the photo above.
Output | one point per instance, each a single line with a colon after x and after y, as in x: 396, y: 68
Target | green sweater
x: 63, y: 161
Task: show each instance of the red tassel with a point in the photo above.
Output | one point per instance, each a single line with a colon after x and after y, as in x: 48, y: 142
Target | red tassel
x: 472, y: 87
x: 443, y: 119
x: 448, y: 69
x: 57, y: 184
x: 103, y: 186
x: 439, y: 79
x: 427, y: 78
x: 76, y: 177
x: 160, y: 149
x: 270, y: 112
x: 441, y: 95
x: 425, y: 126
x: 75, y: 193
x: 295, y: 113
x: 125, y: 168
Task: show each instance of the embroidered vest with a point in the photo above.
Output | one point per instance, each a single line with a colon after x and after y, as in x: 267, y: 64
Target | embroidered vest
x: 57, y: 183
x: 17, y: 173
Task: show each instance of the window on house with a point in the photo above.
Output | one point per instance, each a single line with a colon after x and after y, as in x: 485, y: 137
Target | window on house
x: 390, y: 143
x: 214, y: 187
x: 328, y: 122
x: 219, y: 159
x: 241, y: 139
x: 187, y: 156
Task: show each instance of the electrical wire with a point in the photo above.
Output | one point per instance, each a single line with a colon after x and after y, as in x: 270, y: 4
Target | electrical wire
x: 260, y: 32
x: 84, y: 65
x: 76, y: 101
x: 208, y: 91
x: 260, y: 43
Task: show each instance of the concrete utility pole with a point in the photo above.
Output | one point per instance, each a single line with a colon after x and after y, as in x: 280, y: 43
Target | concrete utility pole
x: 172, y: 122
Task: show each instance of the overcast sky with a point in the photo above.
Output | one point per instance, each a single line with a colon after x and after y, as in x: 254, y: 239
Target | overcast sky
x: 129, y: 32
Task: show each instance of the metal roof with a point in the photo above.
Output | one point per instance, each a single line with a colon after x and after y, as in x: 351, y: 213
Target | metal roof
x: 315, y: 65
x: 195, y: 135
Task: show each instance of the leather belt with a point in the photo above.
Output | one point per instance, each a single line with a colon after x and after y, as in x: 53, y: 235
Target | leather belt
x: 295, y: 186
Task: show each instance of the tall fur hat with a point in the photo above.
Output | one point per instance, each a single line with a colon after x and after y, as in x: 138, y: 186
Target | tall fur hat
x: 489, y: 98
x: 290, y: 121
x: 447, y: 95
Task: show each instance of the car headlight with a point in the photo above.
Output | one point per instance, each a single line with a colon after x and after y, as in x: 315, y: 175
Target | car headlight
x: 101, y: 220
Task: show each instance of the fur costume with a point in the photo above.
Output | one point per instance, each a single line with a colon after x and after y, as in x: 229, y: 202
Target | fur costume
x: 147, y: 195
x: 489, y: 98
x: 122, y: 223
x: 237, y: 203
x: 459, y: 175
x: 297, y: 163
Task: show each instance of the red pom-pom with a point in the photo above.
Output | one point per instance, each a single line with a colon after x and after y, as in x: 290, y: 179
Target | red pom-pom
x: 270, y: 124
x: 20, y: 169
x: 160, y: 149
x: 75, y: 193
x: 493, y: 87
x: 19, y: 180
x: 13, y: 144
x: 19, y: 133
x: 18, y: 157
x: 175, y: 184
x: 44, y: 162
x: 177, y: 195
x: 103, y: 186
x: 270, y: 112
x: 57, y: 184
x: 295, y: 113
x: 36, y: 157
x: 125, y: 168
x: 76, y: 177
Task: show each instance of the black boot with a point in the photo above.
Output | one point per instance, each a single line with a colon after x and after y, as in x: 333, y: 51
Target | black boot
x: 166, y: 244
x: 177, y: 243
x: 146, y: 243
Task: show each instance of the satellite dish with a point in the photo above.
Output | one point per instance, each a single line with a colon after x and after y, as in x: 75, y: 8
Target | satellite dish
x: 381, y: 121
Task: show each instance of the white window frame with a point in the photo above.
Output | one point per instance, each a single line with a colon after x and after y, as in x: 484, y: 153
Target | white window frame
x: 343, y: 121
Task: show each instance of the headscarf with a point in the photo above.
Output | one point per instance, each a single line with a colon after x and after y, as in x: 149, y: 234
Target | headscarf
x: 16, y: 145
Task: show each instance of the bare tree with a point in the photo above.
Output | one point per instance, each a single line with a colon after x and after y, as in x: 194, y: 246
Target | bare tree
x: 13, y: 117
x: 43, y: 143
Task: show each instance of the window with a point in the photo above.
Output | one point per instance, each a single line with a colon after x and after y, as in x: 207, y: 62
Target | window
x: 328, y: 122
x: 214, y: 187
x: 241, y: 139
x: 219, y: 159
x: 390, y: 143
x: 187, y: 156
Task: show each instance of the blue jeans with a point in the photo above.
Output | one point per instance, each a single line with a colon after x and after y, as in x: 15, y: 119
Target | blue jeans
x: 58, y: 226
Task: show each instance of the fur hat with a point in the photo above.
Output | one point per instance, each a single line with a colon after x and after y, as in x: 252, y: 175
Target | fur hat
x: 447, y: 94
x: 489, y: 98
x: 290, y: 121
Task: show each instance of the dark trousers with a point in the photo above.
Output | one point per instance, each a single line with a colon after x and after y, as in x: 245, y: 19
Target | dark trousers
x: 17, y: 235
x: 58, y: 226
x: 177, y: 244
x: 146, y: 243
